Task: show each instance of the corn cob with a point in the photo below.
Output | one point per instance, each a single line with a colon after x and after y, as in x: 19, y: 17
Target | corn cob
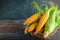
x: 32, y: 27
x: 42, y: 21
x: 31, y: 19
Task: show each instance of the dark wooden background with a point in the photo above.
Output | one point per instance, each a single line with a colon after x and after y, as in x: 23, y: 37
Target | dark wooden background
x: 19, y: 9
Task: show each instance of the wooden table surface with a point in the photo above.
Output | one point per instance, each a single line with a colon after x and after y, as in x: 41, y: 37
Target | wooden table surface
x: 13, y: 29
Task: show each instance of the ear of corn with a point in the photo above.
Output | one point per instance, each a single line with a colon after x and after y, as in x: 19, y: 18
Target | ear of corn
x: 32, y: 27
x: 50, y: 25
x: 42, y: 21
x: 31, y: 19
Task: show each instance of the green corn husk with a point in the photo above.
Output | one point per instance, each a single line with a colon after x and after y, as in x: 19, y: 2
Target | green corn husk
x: 58, y: 17
x: 50, y: 25
x: 38, y: 8
x: 46, y: 7
x: 56, y: 21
